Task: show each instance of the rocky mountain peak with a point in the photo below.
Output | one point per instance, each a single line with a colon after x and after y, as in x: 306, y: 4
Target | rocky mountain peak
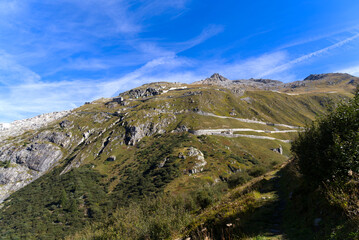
x: 313, y: 77
x: 216, y: 77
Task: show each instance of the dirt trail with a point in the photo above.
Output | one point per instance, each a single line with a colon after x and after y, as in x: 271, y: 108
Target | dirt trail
x: 268, y: 220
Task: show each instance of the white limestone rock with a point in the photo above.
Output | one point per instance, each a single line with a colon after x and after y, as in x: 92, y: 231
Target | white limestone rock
x: 20, y: 126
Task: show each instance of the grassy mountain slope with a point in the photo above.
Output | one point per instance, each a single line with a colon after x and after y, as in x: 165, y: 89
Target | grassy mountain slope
x: 276, y: 205
x: 143, y: 145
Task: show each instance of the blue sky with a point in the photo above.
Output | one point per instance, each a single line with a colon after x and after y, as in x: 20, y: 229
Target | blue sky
x: 57, y: 54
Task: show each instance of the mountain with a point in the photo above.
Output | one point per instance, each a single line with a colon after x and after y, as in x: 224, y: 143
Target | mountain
x: 62, y: 171
x: 215, y: 79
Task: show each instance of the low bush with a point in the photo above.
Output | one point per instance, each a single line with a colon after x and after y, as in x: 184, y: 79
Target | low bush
x: 328, y: 150
x: 205, y: 197
x: 238, y: 178
x: 5, y: 164
x: 257, y: 171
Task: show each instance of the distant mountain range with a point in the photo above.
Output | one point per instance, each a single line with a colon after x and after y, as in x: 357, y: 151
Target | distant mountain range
x: 311, y: 83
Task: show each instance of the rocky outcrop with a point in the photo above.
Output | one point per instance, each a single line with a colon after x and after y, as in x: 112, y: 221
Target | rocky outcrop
x: 101, y: 117
x: 314, y: 77
x: 27, y: 163
x: 135, y: 132
x: 66, y: 124
x: 111, y: 159
x: 278, y: 150
x: 38, y: 156
x: 263, y: 84
x: 296, y: 84
x: 13, y: 178
x: 180, y: 129
x: 215, y: 79
x: 59, y: 138
x: 18, y: 127
x: 30, y: 156
x: 238, y: 86
x: 4, y: 126
x: 144, y: 92
x: 247, y: 99
x: 200, y: 161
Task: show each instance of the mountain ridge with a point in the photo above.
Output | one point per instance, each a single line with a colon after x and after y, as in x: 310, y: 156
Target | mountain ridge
x: 215, y: 79
x: 269, y: 84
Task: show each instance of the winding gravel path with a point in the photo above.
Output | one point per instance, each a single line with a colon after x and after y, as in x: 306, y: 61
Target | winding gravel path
x: 249, y: 120
x: 232, y: 130
x: 240, y: 135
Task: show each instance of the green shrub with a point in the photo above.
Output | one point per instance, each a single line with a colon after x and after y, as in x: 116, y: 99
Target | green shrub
x: 160, y: 229
x: 49, y: 208
x: 328, y: 150
x: 238, y: 178
x: 148, y: 218
x: 257, y: 171
x: 205, y: 197
x: 144, y: 177
x: 5, y: 164
x: 251, y: 159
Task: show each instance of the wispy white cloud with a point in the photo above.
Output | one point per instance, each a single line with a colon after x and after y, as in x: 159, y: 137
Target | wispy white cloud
x: 353, y: 70
x: 126, y: 17
x: 207, y: 33
x: 13, y: 73
x: 65, y: 28
x: 325, y: 35
x: 161, y: 69
x: 254, y: 67
x: 29, y: 99
x: 88, y: 64
x: 291, y: 63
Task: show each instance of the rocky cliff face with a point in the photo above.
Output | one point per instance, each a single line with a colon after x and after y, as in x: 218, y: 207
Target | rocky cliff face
x: 25, y: 163
x: 25, y: 158
x: 147, y: 92
x: 134, y: 133
x: 18, y: 127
